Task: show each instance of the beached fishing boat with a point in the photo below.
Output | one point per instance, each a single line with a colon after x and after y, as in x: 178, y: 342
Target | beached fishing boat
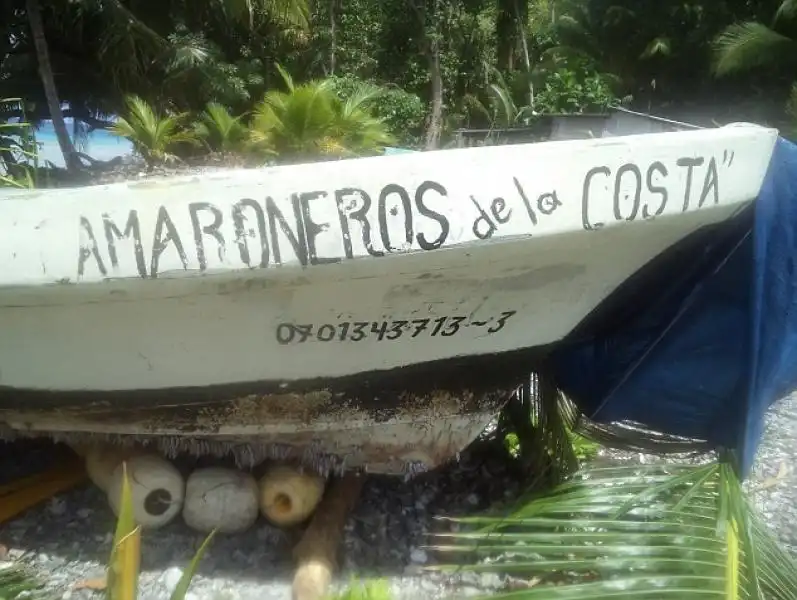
x: 379, y: 310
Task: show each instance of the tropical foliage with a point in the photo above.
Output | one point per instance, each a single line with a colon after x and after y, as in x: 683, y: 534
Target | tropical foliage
x: 440, y: 64
x: 631, y: 532
x: 219, y: 130
x: 311, y: 120
x: 123, y: 567
x: 17, y: 147
x: 153, y: 135
x: 377, y: 589
x: 17, y: 583
x: 748, y: 45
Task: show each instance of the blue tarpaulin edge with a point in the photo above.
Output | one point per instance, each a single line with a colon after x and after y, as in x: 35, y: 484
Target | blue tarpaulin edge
x: 700, y: 347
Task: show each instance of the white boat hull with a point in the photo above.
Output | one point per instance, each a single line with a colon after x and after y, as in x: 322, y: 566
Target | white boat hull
x: 298, y: 279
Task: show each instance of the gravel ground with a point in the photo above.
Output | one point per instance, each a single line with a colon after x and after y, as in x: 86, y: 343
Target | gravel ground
x: 69, y: 537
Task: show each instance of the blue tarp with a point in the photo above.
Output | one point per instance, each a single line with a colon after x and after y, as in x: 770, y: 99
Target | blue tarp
x: 701, y: 350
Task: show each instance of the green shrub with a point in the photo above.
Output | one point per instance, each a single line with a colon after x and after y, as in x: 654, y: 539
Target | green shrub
x: 402, y: 112
x: 568, y: 91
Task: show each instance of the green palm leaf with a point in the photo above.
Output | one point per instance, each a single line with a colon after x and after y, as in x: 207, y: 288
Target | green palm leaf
x: 745, y: 46
x: 153, y: 135
x: 787, y: 11
x: 16, y: 582
x: 632, y: 532
x: 309, y: 120
x: 219, y: 129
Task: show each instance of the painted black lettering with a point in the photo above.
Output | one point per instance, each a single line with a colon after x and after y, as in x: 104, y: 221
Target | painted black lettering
x: 482, y: 218
x: 406, y: 205
x: 89, y: 249
x: 549, y: 202
x: 340, y: 196
x: 525, y: 198
x: 637, y: 194
x: 212, y: 230
x: 585, y: 198
x: 656, y: 167
x: 132, y: 228
x: 361, y: 215
x: 160, y: 241
x: 690, y: 164
x: 499, y: 206
x: 312, y: 229
x: 295, y: 238
x: 242, y: 235
x: 431, y: 214
x: 710, y: 183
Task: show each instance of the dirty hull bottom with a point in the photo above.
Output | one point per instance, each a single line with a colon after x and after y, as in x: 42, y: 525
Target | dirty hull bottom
x: 392, y: 447
x: 385, y: 425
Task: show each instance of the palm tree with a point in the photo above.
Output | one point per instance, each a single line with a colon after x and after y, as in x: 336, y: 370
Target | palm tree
x: 220, y: 130
x: 48, y: 82
x: 156, y: 53
x: 153, y: 135
x: 749, y: 45
x: 310, y: 120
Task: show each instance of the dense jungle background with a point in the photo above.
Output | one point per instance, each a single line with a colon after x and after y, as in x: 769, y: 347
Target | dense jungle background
x: 298, y: 79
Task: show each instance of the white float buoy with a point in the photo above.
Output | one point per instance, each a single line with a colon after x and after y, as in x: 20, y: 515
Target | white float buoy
x: 220, y: 498
x: 101, y: 462
x: 157, y: 490
x: 289, y: 496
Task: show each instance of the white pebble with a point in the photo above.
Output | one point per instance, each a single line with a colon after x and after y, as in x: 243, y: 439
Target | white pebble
x: 418, y: 556
x: 171, y: 577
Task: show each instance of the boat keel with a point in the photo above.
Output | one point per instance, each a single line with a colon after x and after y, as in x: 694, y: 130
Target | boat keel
x: 414, y: 433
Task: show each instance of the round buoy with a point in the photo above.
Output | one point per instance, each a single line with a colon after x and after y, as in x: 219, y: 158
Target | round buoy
x: 101, y: 462
x: 288, y: 496
x: 221, y: 499
x: 157, y: 489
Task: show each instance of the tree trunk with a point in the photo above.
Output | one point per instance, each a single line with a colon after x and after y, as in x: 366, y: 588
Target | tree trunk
x: 506, y: 35
x: 436, y: 117
x: 333, y: 34
x: 48, y: 82
x: 430, y: 45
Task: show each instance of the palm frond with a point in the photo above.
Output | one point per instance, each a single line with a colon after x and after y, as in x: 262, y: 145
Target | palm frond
x: 17, y: 582
x: 286, y: 77
x: 636, y: 532
x: 787, y: 12
x: 219, y: 129
x: 152, y: 134
x: 659, y: 46
x: 745, y: 46
x: 311, y: 120
x: 289, y: 12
